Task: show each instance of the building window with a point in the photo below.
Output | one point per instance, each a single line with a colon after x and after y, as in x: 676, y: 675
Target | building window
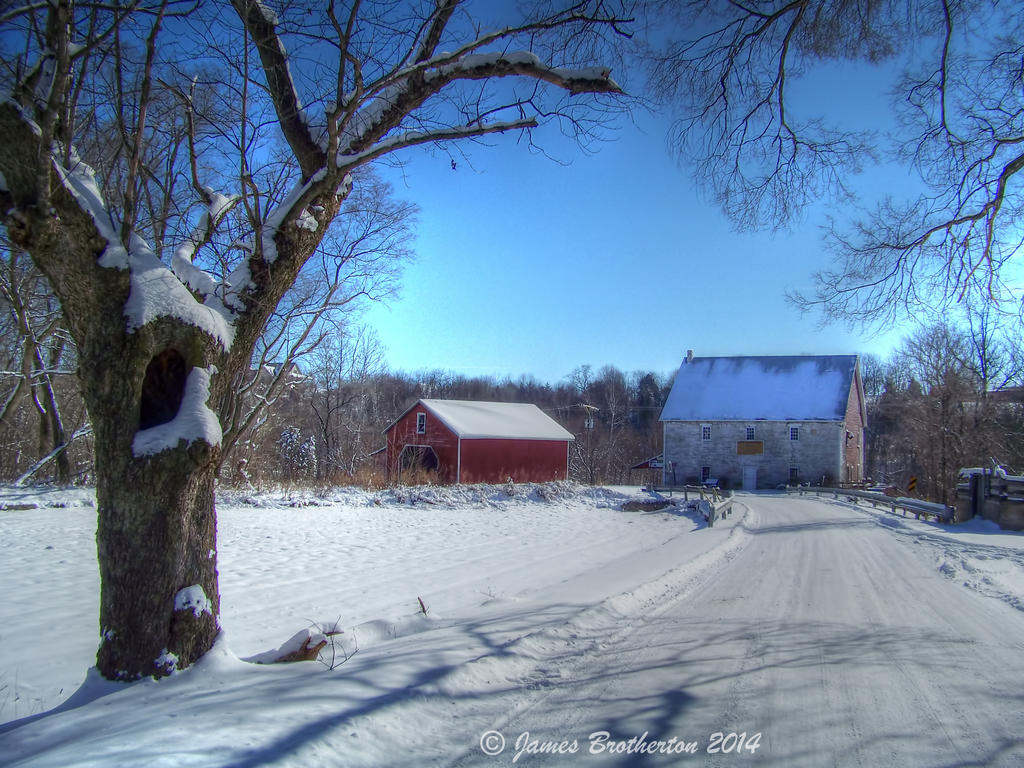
x: 705, y: 432
x: 750, y: 433
x: 794, y: 433
x: 794, y: 476
x: 421, y: 423
x: 705, y: 473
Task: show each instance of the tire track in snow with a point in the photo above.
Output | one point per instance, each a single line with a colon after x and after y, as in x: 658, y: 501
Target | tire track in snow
x: 922, y: 691
x: 597, y: 631
x: 823, y: 632
x: 905, y: 596
x: 980, y: 567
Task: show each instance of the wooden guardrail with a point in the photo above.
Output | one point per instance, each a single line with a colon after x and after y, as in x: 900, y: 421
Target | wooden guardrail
x: 719, y: 501
x: 709, y: 492
x: 721, y: 509
x: 918, y: 508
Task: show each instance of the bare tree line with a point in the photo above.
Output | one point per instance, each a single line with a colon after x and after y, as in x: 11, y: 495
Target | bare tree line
x: 613, y: 416
x: 950, y: 396
x: 321, y: 416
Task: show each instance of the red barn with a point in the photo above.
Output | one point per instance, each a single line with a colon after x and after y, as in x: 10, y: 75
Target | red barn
x: 476, y: 442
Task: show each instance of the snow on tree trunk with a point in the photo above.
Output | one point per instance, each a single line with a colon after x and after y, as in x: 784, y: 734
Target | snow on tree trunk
x: 157, y: 451
x: 154, y: 548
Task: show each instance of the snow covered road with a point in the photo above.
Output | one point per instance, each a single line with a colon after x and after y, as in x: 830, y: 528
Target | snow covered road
x: 826, y: 634
x: 797, y: 632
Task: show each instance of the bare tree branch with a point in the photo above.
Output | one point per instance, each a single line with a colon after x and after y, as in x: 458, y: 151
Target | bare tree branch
x: 961, y: 115
x: 260, y: 23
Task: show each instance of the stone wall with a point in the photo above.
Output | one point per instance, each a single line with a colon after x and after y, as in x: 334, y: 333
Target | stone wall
x: 994, y: 496
x: 853, y: 470
x: 816, y: 454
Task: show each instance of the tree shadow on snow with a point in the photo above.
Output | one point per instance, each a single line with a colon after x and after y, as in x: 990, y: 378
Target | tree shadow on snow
x: 565, y: 671
x: 697, y: 677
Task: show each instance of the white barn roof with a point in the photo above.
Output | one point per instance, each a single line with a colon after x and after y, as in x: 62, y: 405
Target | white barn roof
x: 522, y: 421
x: 790, y: 388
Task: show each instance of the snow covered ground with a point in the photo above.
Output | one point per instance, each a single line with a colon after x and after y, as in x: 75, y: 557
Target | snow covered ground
x: 559, y: 628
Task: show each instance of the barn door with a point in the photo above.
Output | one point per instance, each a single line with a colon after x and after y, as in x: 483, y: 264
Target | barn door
x: 417, y: 458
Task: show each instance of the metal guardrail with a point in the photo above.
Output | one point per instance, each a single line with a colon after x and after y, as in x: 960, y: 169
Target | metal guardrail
x: 925, y: 509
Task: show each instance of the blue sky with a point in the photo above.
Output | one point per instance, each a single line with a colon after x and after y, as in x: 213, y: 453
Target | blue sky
x: 528, y: 266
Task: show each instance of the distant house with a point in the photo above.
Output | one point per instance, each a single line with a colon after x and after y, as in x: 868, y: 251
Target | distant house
x: 760, y: 422
x: 648, y: 470
x: 478, y: 442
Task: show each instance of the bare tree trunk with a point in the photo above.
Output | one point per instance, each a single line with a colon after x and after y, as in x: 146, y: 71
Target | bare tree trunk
x: 155, y: 547
x: 60, y: 437
x: 156, y: 536
x: 52, y: 435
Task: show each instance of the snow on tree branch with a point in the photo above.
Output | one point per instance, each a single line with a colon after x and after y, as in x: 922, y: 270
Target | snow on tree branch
x: 414, y: 138
x: 389, y: 107
x: 155, y: 290
x: 156, y: 293
x: 200, y: 281
x: 485, y: 65
x: 290, y: 209
x: 80, y: 181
